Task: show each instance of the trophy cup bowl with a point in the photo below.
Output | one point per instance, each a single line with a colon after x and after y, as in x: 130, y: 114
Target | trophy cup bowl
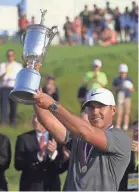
x: 36, y: 41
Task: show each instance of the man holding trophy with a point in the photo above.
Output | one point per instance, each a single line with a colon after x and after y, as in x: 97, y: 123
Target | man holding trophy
x: 100, y: 153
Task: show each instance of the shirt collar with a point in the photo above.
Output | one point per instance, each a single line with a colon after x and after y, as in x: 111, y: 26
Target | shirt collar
x: 39, y: 134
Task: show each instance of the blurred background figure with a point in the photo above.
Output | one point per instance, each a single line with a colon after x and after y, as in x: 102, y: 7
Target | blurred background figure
x: 109, y: 37
x: 5, y: 160
x: 39, y: 158
x: 123, y: 86
x: 23, y: 23
x: 32, y: 20
x: 77, y: 30
x: 109, y: 10
x: 85, y: 22
x: 8, y: 72
x: 129, y: 181
x: 95, y: 78
x: 50, y: 88
x: 68, y: 31
x: 81, y: 95
x: 117, y: 24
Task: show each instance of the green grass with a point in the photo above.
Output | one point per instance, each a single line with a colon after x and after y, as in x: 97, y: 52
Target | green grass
x: 68, y: 65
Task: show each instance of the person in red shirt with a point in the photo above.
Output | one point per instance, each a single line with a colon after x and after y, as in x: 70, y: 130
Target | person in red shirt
x: 23, y: 23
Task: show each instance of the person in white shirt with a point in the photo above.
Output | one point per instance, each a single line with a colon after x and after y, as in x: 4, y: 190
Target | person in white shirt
x: 8, y: 73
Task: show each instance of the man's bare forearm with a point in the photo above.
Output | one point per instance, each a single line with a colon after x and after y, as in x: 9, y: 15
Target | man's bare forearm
x: 51, y: 123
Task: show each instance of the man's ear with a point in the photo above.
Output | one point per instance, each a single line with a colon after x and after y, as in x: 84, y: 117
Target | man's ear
x: 113, y: 110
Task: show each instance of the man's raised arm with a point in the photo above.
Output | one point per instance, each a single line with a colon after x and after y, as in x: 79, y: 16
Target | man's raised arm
x: 53, y: 125
x: 74, y: 124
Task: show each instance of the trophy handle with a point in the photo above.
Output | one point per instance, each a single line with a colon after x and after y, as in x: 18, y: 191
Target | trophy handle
x: 23, y: 37
x: 51, y: 33
x: 54, y: 29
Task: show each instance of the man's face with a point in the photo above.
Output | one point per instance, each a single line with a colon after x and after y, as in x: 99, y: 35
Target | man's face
x: 100, y: 115
x: 50, y: 83
x: 36, y: 125
x: 10, y: 56
x: 123, y: 75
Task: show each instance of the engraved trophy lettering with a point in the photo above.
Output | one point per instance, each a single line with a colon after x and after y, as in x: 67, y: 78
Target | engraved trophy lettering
x: 36, y: 41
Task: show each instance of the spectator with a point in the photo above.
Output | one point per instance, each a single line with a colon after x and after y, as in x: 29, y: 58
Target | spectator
x: 109, y: 10
x: 95, y: 10
x: 131, y: 174
x: 77, y: 30
x: 85, y: 22
x: 98, y: 27
x: 39, y: 157
x: 95, y: 78
x: 23, y: 23
x: 117, y: 26
x: 68, y: 31
x: 125, y: 22
x: 5, y: 160
x: 109, y: 37
x: 123, y: 86
x: 134, y: 33
x: 50, y: 88
x: 109, y: 23
x: 8, y: 72
x: 32, y: 20
x: 133, y: 12
x: 85, y: 16
x: 82, y: 91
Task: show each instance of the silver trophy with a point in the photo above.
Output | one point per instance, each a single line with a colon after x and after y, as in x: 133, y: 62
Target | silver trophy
x: 36, y: 41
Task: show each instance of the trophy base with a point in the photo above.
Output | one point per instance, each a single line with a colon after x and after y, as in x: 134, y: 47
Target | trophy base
x: 23, y: 97
x: 27, y: 82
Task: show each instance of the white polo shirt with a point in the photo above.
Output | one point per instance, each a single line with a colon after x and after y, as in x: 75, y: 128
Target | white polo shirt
x: 10, y: 70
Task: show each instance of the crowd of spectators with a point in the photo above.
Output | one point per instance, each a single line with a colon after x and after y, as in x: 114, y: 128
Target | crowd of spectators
x: 102, y: 26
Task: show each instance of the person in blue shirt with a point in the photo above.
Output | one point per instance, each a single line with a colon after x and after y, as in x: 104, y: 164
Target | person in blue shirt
x: 123, y: 86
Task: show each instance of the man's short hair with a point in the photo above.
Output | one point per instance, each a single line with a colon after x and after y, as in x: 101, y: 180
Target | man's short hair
x: 10, y: 50
x: 50, y: 78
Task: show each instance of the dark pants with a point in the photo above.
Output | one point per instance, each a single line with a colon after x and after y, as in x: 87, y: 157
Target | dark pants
x: 6, y: 102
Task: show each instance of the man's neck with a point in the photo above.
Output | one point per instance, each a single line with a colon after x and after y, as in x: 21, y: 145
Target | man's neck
x: 10, y: 62
x: 108, y: 126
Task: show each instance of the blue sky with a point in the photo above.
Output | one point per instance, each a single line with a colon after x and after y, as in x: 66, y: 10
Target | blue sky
x: 9, y: 2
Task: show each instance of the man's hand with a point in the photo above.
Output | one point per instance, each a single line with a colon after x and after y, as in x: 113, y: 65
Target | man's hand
x: 51, y: 147
x: 135, y: 146
x: 66, y: 153
x: 43, y: 100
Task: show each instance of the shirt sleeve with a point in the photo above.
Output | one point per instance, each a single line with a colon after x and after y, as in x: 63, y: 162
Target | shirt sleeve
x: 114, y: 83
x: 117, y: 142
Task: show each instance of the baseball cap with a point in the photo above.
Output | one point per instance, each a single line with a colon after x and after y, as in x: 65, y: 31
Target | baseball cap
x: 100, y: 95
x: 123, y: 68
x: 97, y: 62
